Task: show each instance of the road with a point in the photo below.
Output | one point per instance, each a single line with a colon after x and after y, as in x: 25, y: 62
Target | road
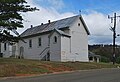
x: 101, y: 75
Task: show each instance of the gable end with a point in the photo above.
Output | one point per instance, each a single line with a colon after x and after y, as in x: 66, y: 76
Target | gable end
x: 85, y: 26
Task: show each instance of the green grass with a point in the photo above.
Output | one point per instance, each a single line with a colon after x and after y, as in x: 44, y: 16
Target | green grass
x: 13, y: 67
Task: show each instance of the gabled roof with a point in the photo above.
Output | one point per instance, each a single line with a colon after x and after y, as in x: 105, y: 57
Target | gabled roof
x: 62, y: 33
x: 91, y: 54
x: 60, y: 24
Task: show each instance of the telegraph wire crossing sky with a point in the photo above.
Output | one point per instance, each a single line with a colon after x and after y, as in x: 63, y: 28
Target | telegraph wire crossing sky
x: 94, y: 12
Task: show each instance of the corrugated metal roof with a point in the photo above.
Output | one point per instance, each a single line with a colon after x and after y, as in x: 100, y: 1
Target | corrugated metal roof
x: 63, y: 23
x: 91, y: 54
x: 50, y: 26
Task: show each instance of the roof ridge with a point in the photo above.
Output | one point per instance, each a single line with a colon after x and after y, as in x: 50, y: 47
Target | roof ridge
x: 58, y: 20
x: 66, y: 18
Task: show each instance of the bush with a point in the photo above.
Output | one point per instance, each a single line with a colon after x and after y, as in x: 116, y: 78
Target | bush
x: 105, y: 59
x: 118, y: 60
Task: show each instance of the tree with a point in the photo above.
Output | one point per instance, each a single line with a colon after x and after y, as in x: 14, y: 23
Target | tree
x: 105, y: 51
x: 11, y: 19
x: 105, y: 59
x: 118, y: 60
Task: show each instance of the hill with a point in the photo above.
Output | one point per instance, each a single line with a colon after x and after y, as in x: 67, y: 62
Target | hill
x: 105, y: 51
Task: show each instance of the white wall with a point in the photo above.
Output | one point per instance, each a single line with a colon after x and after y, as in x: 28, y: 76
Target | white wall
x: 8, y: 52
x: 79, y: 42
x: 15, y: 50
x: 34, y: 52
x: 65, y: 48
x: 55, y: 48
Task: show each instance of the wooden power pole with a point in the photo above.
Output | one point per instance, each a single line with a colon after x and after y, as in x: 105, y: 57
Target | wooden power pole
x: 113, y: 29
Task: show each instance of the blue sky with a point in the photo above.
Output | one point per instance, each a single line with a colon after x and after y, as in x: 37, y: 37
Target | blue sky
x: 103, y: 6
x: 94, y: 12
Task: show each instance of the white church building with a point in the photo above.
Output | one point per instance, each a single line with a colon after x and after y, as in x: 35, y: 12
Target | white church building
x: 61, y: 40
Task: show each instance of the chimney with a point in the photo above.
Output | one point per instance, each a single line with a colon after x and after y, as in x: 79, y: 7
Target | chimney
x: 49, y: 21
x: 41, y: 23
x: 31, y: 26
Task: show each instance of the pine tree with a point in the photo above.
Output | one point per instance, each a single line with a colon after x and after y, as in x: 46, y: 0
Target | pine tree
x: 11, y: 19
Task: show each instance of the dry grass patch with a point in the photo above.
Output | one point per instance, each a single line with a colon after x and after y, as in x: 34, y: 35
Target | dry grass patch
x: 23, y: 67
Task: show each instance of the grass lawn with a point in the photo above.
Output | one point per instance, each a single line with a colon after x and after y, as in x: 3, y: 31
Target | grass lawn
x: 23, y: 67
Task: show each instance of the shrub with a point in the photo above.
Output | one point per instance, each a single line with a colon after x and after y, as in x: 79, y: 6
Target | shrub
x: 105, y: 59
x: 118, y: 60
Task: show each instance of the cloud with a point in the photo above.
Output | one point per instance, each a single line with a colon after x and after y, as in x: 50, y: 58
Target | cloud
x: 98, y: 23
x: 99, y: 26
x: 58, y: 4
x: 41, y: 16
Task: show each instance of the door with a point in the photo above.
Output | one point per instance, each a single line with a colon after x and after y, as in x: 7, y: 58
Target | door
x: 48, y: 56
x: 21, y: 52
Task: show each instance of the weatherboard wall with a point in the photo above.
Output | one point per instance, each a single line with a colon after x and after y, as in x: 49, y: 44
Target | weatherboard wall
x: 6, y: 52
x: 65, y: 49
x: 55, y: 47
x: 79, y: 41
x: 35, y: 51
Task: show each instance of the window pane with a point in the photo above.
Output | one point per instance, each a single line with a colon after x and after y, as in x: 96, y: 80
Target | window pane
x: 55, y: 39
x: 5, y: 46
x: 39, y: 41
x: 30, y: 43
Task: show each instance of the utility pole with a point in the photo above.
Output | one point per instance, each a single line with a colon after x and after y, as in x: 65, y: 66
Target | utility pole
x: 113, y: 29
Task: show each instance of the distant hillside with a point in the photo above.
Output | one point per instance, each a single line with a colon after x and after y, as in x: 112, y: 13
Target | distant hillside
x: 104, y: 50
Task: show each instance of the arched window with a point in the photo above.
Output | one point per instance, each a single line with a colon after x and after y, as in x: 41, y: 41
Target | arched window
x: 78, y: 24
x: 55, y: 39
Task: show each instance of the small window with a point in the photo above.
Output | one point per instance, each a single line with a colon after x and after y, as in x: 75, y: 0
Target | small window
x: 30, y: 43
x: 5, y: 46
x: 55, y: 39
x: 39, y: 41
x: 78, y: 24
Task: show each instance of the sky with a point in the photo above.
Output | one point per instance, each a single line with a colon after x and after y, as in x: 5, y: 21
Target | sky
x: 95, y: 14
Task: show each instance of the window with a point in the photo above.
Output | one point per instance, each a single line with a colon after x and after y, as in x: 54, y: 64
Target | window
x: 39, y: 41
x: 78, y: 24
x: 55, y: 39
x: 30, y: 43
x: 5, y: 46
